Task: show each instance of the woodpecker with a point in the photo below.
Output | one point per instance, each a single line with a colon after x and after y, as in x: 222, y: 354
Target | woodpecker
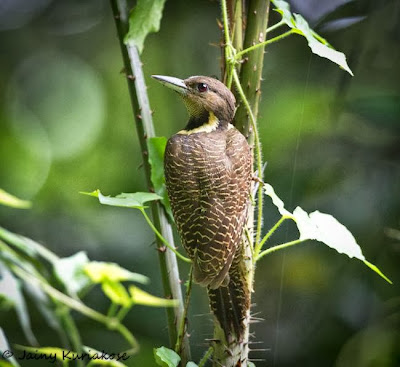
x: 208, y: 173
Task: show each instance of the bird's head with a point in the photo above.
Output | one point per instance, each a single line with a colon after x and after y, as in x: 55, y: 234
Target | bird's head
x: 202, y: 95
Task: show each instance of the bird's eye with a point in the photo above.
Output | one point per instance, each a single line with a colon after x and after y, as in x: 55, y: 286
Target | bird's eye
x: 202, y: 87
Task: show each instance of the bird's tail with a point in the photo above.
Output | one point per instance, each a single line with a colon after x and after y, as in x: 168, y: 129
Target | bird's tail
x: 230, y: 304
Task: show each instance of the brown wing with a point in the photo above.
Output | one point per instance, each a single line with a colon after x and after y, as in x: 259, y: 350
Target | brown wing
x: 208, y: 179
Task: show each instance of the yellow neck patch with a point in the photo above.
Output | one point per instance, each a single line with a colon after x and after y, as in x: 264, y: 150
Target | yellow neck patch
x: 210, y: 125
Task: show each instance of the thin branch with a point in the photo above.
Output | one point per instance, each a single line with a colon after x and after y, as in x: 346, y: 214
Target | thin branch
x: 275, y: 26
x: 280, y: 247
x: 164, y: 241
x: 260, y: 245
x: 206, y: 357
x: 111, y: 323
x: 240, y: 54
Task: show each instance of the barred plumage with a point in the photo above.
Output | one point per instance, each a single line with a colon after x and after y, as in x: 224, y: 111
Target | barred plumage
x: 208, y: 170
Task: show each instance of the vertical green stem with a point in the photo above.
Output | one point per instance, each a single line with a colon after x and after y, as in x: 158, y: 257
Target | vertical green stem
x: 183, y: 323
x: 144, y: 127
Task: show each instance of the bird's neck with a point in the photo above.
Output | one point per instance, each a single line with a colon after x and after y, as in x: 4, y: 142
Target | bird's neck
x: 204, y: 122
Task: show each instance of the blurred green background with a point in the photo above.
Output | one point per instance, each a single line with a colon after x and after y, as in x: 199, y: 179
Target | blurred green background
x: 332, y: 143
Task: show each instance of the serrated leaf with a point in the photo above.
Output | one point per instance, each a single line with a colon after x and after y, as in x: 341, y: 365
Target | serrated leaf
x: 10, y: 289
x: 269, y: 190
x: 70, y: 271
x: 317, y: 44
x: 50, y: 352
x: 156, y: 148
x: 135, y: 200
x: 117, y: 293
x: 283, y: 8
x: 12, y: 201
x: 323, y: 228
x: 5, y: 347
x: 141, y: 297
x: 100, y: 272
x: 145, y: 18
x: 320, y: 48
x: 166, y: 357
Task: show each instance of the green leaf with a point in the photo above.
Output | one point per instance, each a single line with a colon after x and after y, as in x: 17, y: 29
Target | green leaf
x: 135, y: 200
x: 70, y: 271
x: 100, y: 272
x: 141, y: 297
x: 10, y: 289
x: 51, y: 352
x: 6, y: 364
x: 12, y: 201
x: 166, y: 357
x: 156, y: 147
x: 17, y: 241
x: 323, y: 228
x: 192, y: 364
x: 327, y: 229
x: 269, y: 190
x: 117, y: 293
x: 250, y: 364
x: 144, y: 19
x: 320, y: 46
x: 283, y: 8
x: 5, y: 347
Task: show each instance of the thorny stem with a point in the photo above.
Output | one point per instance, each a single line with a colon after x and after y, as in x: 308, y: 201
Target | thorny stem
x: 257, y: 146
x: 160, y: 236
x: 182, y: 326
x: 145, y: 129
x: 229, y: 50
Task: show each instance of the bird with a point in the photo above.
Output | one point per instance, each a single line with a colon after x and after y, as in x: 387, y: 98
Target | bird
x: 208, y: 172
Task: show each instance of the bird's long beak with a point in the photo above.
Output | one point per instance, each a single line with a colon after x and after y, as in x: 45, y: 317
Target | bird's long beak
x: 176, y: 84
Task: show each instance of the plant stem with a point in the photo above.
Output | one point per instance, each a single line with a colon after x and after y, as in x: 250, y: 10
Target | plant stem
x: 112, y: 310
x: 26, y: 244
x: 228, y: 46
x: 70, y: 331
x: 259, y: 245
x: 206, y: 357
x: 159, y: 235
x: 263, y: 44
x: 182, y: 326
x: 122, y: 313
x: 144, y: 126
x: 73, y: 333
x: 237, y: 39
x: 258, y: 155
x: 251, y: 70
x: 279, y: 247
x: 275, y: 26
x: 76, y: 305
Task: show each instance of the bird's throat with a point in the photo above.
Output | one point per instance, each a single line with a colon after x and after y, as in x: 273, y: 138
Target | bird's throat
x: 204, y: 123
